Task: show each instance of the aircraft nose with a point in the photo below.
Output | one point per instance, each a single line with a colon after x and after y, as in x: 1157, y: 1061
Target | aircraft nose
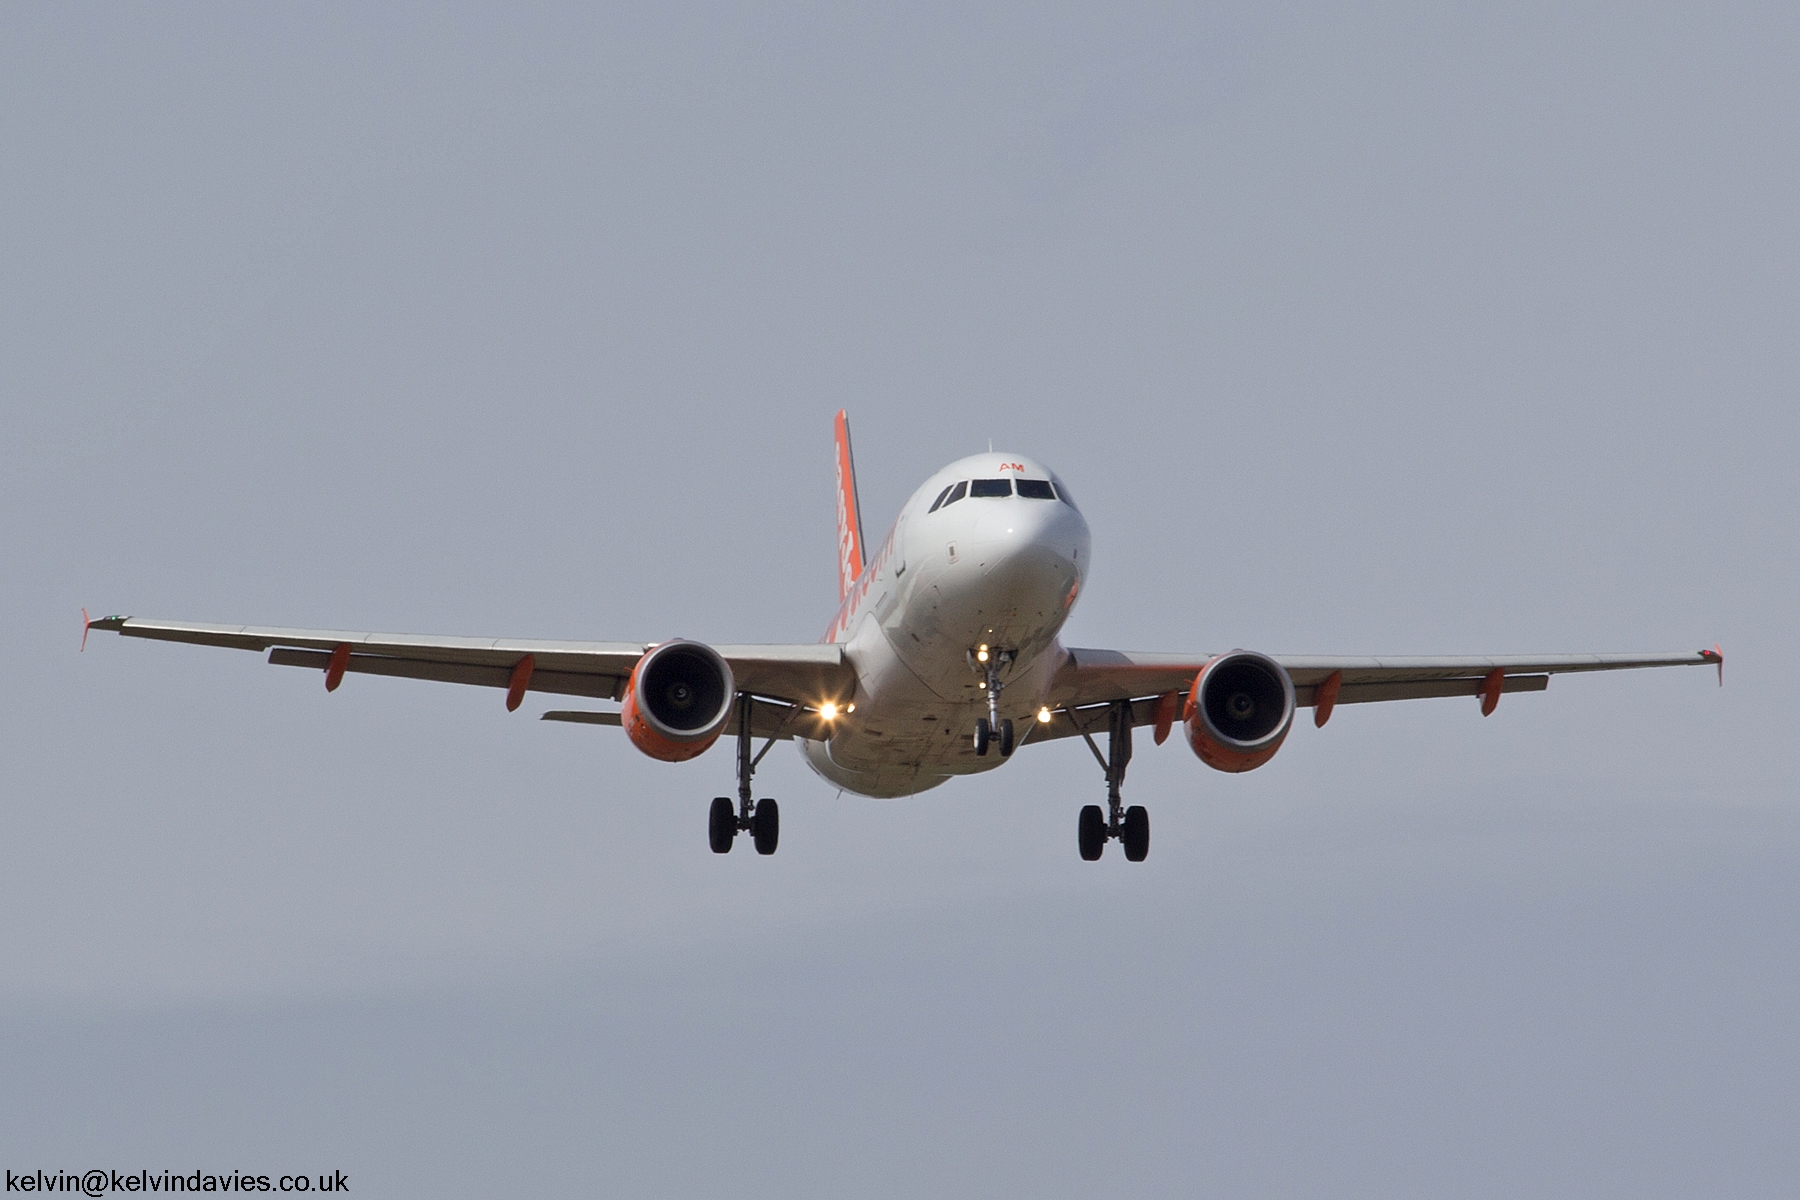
x: 1017, y: 569
x: 1032, y: 536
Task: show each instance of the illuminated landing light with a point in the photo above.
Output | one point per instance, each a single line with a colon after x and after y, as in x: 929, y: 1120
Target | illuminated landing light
x: 849, y: 708
x: 828, y: 710
x: 1044, y: 715
x: 981, y: 654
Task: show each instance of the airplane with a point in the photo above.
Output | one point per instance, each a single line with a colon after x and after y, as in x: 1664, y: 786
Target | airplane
x: 942, y: 659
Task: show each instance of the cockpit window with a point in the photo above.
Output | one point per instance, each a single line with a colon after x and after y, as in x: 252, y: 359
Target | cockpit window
x: 1035, y: 489
x: 940, y: 499
x: 1062, y: 493
x: 990, y: 487
x: 956, y: 493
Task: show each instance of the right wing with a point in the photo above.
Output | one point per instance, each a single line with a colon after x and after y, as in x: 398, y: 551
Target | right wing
x: 800, y: 674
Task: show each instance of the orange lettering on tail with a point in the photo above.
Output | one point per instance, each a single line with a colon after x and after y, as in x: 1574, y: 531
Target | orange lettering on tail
x: 849, y: 514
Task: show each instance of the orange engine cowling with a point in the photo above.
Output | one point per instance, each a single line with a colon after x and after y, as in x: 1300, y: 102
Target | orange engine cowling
x: 1239, y: 711
x: 678, y: 700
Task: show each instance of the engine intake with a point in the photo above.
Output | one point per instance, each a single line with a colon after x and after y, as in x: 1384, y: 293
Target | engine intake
x: 678, y: 700
x: 1239, y: 711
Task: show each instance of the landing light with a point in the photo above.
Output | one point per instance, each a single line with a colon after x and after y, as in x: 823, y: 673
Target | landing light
x: 981, y: 654
x: 828, y: 710
x: 1044, y: 715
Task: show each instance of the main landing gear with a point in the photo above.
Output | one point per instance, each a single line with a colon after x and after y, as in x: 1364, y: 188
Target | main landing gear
x: 761, y: 818
x: 1131, y: 826
x: 993, y: 725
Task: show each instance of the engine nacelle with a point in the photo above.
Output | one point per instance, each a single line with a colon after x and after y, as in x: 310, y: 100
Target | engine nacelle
x: 678, y: 700
x: 1239, y: 711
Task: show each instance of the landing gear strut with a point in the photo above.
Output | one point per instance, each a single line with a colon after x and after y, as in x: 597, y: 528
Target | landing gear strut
x: 994, y: 725
x: 761, y: 818
x: 1131, y: 826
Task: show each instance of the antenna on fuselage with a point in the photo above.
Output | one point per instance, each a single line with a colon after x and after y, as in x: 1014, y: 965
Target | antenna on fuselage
x: 990, y: 445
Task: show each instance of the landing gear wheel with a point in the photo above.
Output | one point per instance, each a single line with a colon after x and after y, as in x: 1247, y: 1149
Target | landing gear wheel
x: 1134, y: 834
x: 981, y: 736
x: 721, y: 825
x: 1092, y: 832
x: 1006, y: 737
x: 765, y: 826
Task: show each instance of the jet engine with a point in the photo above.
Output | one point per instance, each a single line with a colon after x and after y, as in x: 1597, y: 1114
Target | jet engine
x: 678, y: 700
x: 1239, y: 711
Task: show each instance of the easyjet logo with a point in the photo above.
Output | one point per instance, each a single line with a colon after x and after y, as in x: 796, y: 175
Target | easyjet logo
x: 847, y: 548
x: 858, y: 590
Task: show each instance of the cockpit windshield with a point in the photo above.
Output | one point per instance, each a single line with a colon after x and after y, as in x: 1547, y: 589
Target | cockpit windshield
x: 1030, y: 489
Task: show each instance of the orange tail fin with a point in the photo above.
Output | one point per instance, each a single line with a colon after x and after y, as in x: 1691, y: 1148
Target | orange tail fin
x: 849, y: 513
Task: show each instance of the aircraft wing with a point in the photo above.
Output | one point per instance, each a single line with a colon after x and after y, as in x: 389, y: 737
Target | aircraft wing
x: 1089, y: 680
x: 799, y: 673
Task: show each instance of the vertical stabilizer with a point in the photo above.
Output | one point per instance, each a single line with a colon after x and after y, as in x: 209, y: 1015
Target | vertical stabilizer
x: 849, y: 513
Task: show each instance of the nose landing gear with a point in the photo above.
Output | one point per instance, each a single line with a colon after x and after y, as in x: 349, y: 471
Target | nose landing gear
x: 986, y: 732
x: 760, y: 818
x: 993, y: 725
x: 1131, y: 826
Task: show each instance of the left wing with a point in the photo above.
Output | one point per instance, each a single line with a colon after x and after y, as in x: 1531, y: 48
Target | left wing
x: 800, y: 674
x: 1091, y: 679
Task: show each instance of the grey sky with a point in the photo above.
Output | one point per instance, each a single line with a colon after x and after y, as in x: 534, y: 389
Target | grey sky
x: 1352, y: 330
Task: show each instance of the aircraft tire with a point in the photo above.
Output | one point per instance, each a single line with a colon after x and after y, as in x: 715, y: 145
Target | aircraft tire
x: 721, y: 825
x: 981, y: 736
x: 765, y: 826
x: 1092, y: 832
x: 1134, y: 834
x: 1006, y: 737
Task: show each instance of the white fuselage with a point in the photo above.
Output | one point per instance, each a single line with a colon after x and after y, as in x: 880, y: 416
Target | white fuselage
x: 994, y: 572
